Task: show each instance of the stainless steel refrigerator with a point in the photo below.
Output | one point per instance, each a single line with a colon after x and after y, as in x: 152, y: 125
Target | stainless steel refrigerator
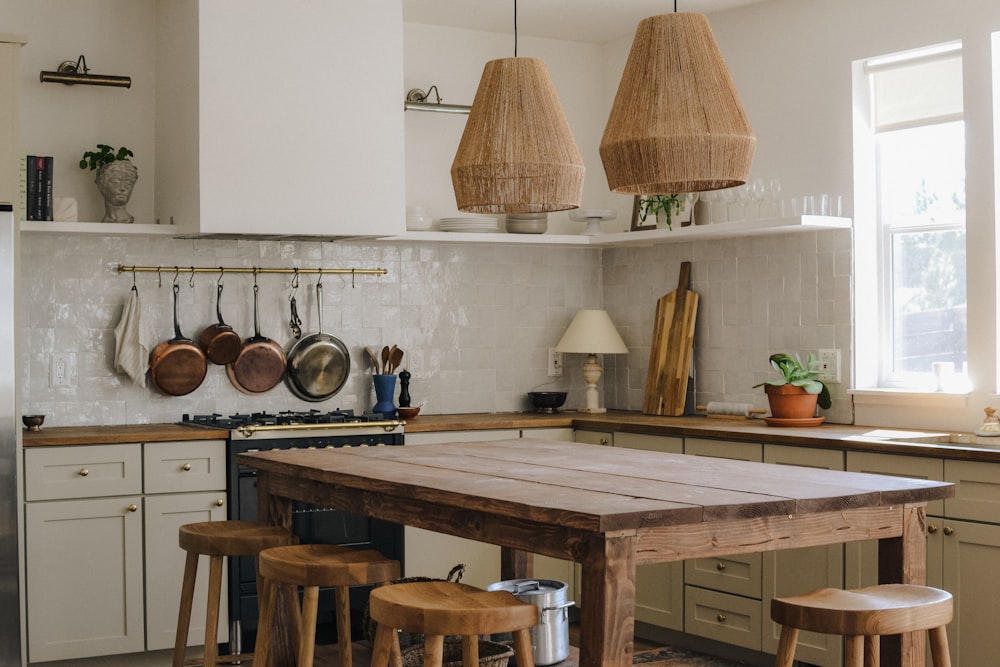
x: 10, y: 431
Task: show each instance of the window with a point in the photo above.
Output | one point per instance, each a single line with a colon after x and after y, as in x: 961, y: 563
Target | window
x: 917, y: 141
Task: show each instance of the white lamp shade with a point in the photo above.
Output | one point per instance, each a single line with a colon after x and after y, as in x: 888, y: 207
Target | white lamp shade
x: 592, y: 332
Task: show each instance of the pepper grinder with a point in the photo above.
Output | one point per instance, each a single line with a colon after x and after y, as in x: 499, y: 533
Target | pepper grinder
x: 404, y: 388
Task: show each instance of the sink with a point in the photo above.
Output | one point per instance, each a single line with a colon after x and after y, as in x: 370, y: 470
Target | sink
x: 931, y: 438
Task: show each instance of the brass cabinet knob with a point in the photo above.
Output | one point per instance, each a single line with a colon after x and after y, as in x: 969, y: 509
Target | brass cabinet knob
x: 84, y: 472
x: 219, y: 502
x: 720, y: 566
x: 133, y: 507
x: 605, y: 441
x: 948, y: 530
x: 932, y: 528
x: 186, y: 467
x: 721, y: 618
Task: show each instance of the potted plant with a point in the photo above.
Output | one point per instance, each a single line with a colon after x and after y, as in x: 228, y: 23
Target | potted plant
x: 116, y: 177
x: 799, y: 391
x: 663, y: 208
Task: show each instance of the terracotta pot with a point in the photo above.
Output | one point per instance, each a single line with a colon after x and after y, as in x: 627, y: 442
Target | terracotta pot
x: 790, y: 402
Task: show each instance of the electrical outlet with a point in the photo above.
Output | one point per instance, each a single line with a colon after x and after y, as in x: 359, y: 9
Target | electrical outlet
x: 555, y: 367
x: 62, y: 370
x: 829, y: 364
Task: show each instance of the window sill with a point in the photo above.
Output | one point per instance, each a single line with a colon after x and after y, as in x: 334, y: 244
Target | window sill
x: 909, y: 399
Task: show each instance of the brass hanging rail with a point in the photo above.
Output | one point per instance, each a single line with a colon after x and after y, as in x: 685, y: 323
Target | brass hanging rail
x: 248, y: 269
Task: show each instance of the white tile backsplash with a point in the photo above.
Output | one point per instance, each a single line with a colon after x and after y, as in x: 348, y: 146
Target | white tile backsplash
x: 475, y: 320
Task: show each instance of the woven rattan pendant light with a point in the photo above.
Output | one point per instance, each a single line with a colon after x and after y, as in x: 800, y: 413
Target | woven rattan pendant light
x: 517, y: 153
x: 677, y: 123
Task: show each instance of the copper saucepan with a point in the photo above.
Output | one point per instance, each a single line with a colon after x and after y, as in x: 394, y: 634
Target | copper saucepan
x: 219, y: 341
x: 177, y: 366
x: 261, y: 361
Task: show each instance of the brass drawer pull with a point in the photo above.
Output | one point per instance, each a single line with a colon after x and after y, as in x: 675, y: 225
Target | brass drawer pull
x: 721, y: 618
x: 186, y: 467
x: 948, y: 530
x: 84, y: 472
x: 219, y: 502
x: 932, y: 528
x: 133, y: 507
x: 721, y: 567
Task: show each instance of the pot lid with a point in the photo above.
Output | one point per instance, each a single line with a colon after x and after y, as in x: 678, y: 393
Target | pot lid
x: 528, y: 586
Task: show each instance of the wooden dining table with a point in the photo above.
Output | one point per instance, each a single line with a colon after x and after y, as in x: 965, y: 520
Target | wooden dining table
x: 609, y: 510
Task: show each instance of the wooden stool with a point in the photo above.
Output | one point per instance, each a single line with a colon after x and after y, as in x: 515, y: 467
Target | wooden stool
x: 217, y: 540
x: 312, y: 566
x: 439, y: 608
x: 862, y: 616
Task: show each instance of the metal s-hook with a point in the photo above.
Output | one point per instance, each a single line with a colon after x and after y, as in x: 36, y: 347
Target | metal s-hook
x: 177, y: 272
x: 353, y: 274
x: 222, y: 272
x: 159, y: 277
x: 191, y: 281
x: 134, y: 288
x: 295, y: 278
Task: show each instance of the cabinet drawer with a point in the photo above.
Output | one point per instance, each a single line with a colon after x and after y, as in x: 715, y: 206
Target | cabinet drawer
x: 977, y: 491
x: 55, y: 473
x: 740, y: 575
x: 725, y: 618
x: 725, y: 449
x: 172, y: 467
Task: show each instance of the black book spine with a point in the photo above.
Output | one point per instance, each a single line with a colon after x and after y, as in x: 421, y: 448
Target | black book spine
x: 47, y: 212
x: 32, y: 183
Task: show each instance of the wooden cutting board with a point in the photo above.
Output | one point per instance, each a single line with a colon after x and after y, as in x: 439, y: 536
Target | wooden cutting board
x: 670, y: 352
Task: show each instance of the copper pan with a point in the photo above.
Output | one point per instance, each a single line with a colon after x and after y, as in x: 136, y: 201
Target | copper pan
x: 261, y: 361
x: 219, y: 341
x: 177, y: 366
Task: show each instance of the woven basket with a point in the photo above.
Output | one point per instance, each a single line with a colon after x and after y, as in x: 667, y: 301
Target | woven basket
x: 409, y: 638
x: 491, y: 654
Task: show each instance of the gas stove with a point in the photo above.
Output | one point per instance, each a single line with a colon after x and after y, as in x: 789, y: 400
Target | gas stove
x: 280, y: 424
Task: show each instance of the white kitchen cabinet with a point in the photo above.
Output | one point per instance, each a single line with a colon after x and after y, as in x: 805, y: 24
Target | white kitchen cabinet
x: 659, y: 588
x: 280, y: 118
x: 10, y: 71
x: 102, y: 563
x: 604, y: 438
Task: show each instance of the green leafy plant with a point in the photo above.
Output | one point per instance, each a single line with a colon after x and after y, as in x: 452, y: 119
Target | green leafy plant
x: 653, y: 204
x: 103, y: 155
x: 793, y: 372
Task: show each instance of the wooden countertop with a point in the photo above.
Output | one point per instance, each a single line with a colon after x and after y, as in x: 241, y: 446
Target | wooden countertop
x: 119, y: 434
x: 826, y: 436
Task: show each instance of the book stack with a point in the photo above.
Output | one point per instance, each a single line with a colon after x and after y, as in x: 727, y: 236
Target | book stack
x: 38, y: 205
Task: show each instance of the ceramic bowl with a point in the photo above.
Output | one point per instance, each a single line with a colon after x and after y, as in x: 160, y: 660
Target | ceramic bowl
x: 33, y: 422
x: 407, y: 413
x: 547, y: 401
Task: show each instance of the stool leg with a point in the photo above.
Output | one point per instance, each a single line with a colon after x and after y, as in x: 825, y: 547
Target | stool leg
x: 522, y: 648
x: 940, y: 657
x: 266, y: 600
x: 786, y: 647
x: 854, y: 651
x: 212, y: 615
x: 382, y: 646
x: 434, y: 651
x: 307, y: 630
x: 343, y: 611
x: 470, y: 650
x: 873, y: 651
x: 184, y: 612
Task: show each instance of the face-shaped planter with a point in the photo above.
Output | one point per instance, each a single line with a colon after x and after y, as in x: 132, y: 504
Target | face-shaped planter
x: 116, y: 180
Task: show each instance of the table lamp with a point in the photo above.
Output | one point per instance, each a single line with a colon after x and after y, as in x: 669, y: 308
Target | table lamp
x: 591, y: 332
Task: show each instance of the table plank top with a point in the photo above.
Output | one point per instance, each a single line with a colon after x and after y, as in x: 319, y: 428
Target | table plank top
x: 592, y: 487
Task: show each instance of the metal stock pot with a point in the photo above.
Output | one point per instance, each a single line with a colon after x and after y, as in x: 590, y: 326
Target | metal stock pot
x: 550, y: 638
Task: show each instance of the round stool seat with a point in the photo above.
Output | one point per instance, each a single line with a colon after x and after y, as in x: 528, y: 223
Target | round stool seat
x: 312, y: 566
x: 326, y: 565
x: 440, y: 608
x: 230, y: 538
x: 863, y: 616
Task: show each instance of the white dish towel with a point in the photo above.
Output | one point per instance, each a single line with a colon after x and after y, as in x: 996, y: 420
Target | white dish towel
x: 131, y: 345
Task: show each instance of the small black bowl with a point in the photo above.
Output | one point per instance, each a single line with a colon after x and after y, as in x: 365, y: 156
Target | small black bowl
x: 547, y: 401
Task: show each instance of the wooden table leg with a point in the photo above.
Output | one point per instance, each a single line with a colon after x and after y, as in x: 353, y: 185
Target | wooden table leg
x: 277, y: 511
x: 516, y: 564
x: 903, y: 560
x: 607, y: 604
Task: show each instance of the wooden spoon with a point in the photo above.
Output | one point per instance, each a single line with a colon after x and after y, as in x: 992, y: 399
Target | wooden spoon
x: 385, y: 360
x: 373, y: 359
x: 395, y: 358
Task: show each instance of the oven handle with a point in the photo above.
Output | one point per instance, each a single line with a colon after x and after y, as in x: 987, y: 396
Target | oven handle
x: 388, y: 426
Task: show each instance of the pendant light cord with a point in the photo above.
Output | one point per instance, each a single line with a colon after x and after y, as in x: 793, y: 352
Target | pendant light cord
x: 515, y: 27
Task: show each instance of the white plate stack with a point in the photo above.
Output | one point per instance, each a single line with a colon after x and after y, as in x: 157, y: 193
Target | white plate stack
x: 479, y: 224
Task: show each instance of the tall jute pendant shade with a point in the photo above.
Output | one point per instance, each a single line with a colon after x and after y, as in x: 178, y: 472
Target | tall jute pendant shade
x: 517, y: 154
x: 677, y: 123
